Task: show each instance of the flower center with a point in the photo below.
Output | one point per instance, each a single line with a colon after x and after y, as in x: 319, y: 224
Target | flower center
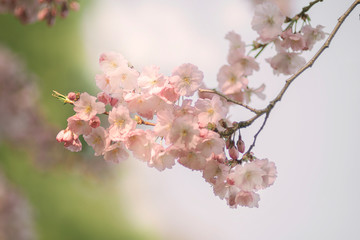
x: 119, y: 122
x: 187, y: 80
x: 123, y: 77
x: 88, y: 109
x: 232, y: 79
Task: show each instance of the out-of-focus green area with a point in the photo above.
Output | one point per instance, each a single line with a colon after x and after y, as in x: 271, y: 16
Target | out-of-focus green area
x: 66, y: 204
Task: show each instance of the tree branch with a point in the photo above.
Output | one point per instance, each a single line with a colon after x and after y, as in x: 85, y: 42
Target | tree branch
x: 309, y: 64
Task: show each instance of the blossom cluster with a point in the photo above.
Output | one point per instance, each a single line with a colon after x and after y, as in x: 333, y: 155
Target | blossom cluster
x: 155, y: 117
x: 160, y: 121
x: 289, y: 43
x: 28, y: 11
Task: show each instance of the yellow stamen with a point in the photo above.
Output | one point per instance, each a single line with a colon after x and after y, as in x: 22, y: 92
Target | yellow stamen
x: 119, y: 122
x: 187, y: 80
x: 88, y: 109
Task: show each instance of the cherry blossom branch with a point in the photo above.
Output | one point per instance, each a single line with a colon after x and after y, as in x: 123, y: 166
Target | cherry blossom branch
x: 229, y: 99
x: 310, y: 63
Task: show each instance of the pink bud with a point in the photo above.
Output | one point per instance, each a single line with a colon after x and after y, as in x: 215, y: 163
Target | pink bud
x: 60, y: 136
x: 104, y: 98
x: 71, y: 96
x: 230, y: 181
x: 94, y: 122
x: 68, y: 136
x: 113, y: 101
x: 234, y: 153
x: 241, y: 145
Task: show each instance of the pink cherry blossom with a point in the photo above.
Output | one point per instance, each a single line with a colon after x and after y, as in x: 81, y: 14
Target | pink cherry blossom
x: 70, y: 139
x: 248, y: 64
x: 116, y: 153
x: 286, y: 63
x: 168, y: 93
x: 186, y: 79
x: 186, y: 109
x: 161, y: 158
x: 267, y: 21
x: 151, y: 80
x: 270, y: 170
x: 120, y: 123
x: 248, y: 177
x: 110, y: 62
x: 247, y: 199
x: 108, y: 84
x: 293, y: 40
x: 73, y: 146
x: 215, y: 171
x: 210, y: 111
x: 165, y: 119
x: 231, y: 79
x: 237, y: 47
x: 78, y: 126
x: 257, y: 91
x: 210, y: 143
x: 98, y: 139
x: 312, y: 35
x: 140, y: 142
x: 144, y: 104
x: 125, y: 78
x: 184, y: 132
x: 192, y: 159
x: 87, y: 107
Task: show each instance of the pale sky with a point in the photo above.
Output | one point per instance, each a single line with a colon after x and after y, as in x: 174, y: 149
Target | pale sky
x: 311, y: 135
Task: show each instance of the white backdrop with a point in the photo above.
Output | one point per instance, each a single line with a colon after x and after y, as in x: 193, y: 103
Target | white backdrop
x: 312, y: 135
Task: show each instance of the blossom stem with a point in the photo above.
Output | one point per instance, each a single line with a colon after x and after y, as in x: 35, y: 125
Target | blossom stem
x: 229, y: 99
x: 62, y: 97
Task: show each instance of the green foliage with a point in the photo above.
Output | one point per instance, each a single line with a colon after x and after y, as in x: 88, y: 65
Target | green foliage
x: 66, y: 205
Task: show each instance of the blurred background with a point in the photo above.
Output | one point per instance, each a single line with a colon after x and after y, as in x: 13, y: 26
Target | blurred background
x: 47, y: 192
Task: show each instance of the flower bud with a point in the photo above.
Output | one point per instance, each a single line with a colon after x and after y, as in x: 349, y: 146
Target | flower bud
x: 94, y: 122
x: 230, y: 181
x: 71, y: 96
x: 68, y: 136
x: 234, y: 153
x: 241, y: 145
x: 104, y: 98
x: 60, y: 136
x: 113, y: 101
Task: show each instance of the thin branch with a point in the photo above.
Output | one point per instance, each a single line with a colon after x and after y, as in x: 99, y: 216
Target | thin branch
x: 258, y: 132
x: 214, y: 91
